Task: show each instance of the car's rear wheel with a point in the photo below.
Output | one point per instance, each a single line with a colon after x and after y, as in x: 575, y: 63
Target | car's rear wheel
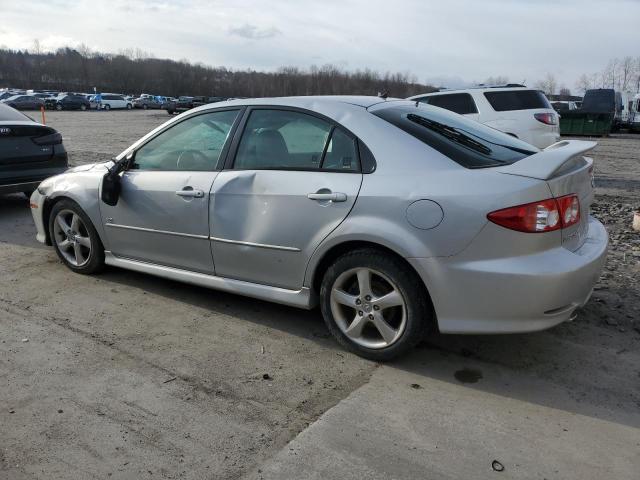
x: 374, y: 304
x: 75, y: 239
x: 83, y: 107
x: 145, y: 106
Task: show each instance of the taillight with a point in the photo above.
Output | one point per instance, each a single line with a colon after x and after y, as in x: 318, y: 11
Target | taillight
x: 569, y: 210
x: 542, y: 216
x: 546, y: 118
x: 52, y: 139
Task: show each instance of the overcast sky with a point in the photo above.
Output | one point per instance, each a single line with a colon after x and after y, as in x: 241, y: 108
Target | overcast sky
x: 442, y: 42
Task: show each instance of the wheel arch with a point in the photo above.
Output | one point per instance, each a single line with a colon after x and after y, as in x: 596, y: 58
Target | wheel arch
x: 324, y: 261
x: 47, y: 208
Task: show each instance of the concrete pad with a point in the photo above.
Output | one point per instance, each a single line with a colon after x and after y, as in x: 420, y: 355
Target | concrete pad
x: 404, y: 425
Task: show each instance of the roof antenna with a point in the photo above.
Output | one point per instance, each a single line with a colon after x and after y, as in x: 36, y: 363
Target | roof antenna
x: 383, y: 94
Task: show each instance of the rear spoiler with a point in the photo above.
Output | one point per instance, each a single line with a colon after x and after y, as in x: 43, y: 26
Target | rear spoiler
x: 544, y: 165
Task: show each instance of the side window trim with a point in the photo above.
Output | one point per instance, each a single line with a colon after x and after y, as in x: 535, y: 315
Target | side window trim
x: 239, y: 132
x: 223, y: 153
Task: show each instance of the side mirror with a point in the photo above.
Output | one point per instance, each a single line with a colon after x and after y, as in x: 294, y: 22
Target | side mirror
x: 110, y: 191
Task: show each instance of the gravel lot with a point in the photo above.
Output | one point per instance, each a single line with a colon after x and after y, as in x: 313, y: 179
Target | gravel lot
x: 128, y: 376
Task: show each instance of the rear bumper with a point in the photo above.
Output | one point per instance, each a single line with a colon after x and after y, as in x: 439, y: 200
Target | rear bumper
x: 514, y: 294
x: 542, y: 139
x: 19, y: 187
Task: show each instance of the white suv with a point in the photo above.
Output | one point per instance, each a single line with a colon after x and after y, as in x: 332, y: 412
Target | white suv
x: 519, y: 111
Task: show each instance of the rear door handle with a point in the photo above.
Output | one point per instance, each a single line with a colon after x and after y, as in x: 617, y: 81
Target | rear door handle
x: 332, y: 196
x: 190, y: 192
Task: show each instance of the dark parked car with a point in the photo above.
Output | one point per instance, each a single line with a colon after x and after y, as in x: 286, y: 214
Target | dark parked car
x: 146, y: 103
x: 24, y: 102
x: 68, y: 102
x: 29, y: 152
x: 187, y: 103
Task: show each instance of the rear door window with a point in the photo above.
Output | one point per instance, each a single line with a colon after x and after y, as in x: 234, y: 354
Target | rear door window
x: 282, y: 139
x: 464, y: 141
x: 461, y: 103
x: 506, y: 101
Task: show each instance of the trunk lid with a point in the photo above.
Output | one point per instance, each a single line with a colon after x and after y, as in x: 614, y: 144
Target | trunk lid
x: 566, y: 171
x: 17, y: 145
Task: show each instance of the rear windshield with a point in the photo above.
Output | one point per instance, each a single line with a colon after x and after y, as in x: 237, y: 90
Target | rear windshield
x: 464, y: 141
x: 9, y: 114
x: 517, y: 100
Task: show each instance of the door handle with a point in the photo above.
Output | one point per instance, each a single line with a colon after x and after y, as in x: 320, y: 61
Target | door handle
x: 331, y: 196
x: 190, y: 192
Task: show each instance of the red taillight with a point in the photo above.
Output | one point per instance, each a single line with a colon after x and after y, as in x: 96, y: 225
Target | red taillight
x: 546, y: 118
x: 536, y: 217
x: 569, y: 210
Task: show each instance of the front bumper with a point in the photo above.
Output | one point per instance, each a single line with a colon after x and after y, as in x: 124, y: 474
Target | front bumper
x: 513, y: 294
x: 36, y: 203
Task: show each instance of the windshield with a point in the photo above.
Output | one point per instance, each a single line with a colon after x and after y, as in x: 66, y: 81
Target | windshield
x: 464, y: 141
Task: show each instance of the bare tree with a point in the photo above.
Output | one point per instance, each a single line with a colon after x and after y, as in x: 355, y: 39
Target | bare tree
x: 133, y: 71
x: 548, y: 85
x: 498, y: 80
x: 626, y: 70
x: 564, y: 91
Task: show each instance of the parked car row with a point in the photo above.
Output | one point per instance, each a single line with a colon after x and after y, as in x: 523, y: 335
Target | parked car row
x: 34, y: 100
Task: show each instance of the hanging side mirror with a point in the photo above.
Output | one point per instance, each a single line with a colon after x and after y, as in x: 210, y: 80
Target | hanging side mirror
x: 110, y: 189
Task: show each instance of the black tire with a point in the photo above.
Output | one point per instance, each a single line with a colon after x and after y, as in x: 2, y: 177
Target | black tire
x: 58, y: 107
x: 95, y: 260
x: 83, y: 107
x: 107, y: 107
x: 417, y: 306
x: 145, y: 106
x: 129, y: 106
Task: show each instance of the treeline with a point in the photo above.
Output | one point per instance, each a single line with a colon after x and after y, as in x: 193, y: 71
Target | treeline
x: 130, y: 72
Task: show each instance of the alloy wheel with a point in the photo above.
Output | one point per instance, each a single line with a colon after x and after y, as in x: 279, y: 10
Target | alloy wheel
x: 368, y: 308
x: 72, y: 238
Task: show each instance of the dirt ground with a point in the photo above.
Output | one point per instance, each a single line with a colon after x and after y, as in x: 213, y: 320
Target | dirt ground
x: 128, y: 376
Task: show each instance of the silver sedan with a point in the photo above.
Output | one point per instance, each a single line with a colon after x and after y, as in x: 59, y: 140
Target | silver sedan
x: 396, y: 218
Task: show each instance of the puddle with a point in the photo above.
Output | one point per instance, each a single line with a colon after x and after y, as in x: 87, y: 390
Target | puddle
x: 468, y: 375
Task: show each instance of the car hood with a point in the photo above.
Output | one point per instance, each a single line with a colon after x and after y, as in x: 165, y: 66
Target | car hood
x: 90, y: 166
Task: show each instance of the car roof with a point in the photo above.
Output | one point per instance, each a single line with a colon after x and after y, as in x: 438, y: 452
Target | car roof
x: 10, y: 114
x: 310, y: 102
x: 479, y: 89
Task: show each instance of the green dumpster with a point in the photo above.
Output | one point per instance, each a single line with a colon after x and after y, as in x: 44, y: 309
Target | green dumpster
x: 577, y: 122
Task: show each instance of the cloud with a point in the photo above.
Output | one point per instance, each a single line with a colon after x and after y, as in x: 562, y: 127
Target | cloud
x: 450, y: 43
x: 253, y: 32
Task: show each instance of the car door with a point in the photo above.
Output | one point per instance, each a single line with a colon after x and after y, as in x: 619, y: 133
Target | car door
x: 292, y: 178
x: 162, y: 215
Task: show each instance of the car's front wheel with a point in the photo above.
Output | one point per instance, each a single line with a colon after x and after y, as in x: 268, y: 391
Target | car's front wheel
x: 58, y: 107
x: 374, y: 304
x: 75, y: 239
